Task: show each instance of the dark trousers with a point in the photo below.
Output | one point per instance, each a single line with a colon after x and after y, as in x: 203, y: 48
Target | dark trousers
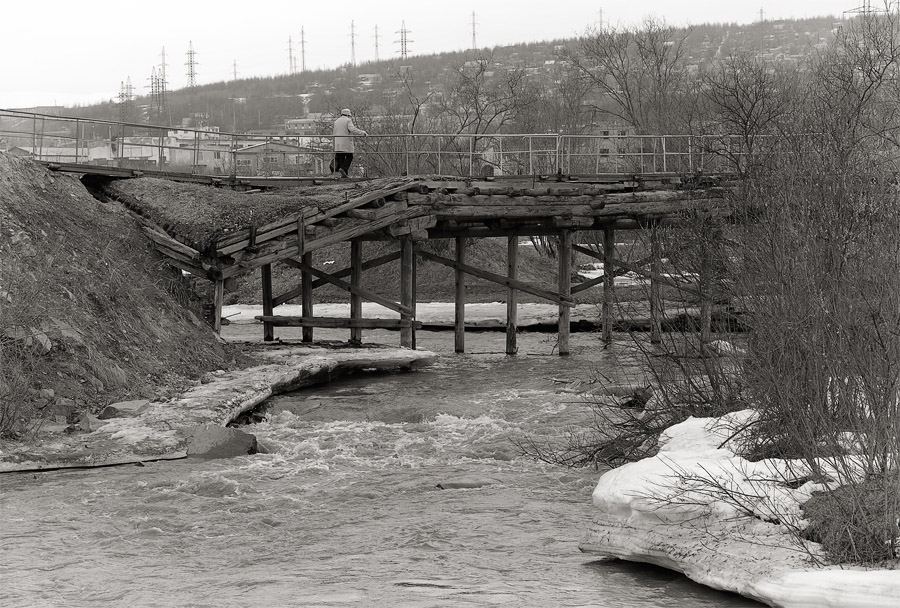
x: 342, y: 160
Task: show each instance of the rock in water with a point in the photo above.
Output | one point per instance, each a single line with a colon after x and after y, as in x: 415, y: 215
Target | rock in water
x: 123, y: 409
x: 214, y: 441
x: 466, y: 482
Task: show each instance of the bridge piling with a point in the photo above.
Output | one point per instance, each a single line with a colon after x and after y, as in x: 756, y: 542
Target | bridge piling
x: 565, y: 289
x: 512, y: 294
x: 459, y: 323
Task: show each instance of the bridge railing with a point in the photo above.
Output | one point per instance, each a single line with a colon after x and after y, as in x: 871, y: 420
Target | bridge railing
x: 62, y: 139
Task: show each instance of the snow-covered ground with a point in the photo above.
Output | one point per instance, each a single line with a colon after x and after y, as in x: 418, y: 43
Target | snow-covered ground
x: 660, y: 510
x: 490, y: 313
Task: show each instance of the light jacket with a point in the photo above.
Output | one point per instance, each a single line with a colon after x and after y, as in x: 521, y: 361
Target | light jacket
x: 343, y: 131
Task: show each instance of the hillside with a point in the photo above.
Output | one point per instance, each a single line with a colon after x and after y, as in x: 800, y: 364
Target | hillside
x: 89, y: 314
x: 264, y: 103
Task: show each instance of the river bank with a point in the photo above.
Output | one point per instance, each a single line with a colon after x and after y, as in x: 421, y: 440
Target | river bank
x: 139, y: 431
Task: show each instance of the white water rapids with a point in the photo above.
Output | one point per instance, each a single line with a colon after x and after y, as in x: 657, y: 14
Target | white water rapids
x: 345, y: 510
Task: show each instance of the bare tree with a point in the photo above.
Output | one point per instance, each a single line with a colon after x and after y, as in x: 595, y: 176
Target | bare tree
x: 640, y: 73
x: 746, y: 103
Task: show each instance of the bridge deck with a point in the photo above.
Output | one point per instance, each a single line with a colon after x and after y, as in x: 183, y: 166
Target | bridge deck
x: 219, y: 233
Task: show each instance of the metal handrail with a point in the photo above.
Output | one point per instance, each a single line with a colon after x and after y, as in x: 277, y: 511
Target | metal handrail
x: 203, y: 151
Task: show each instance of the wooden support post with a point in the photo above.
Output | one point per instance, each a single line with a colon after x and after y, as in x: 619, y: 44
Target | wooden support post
x: 609, y: 284
x: 512, y: 294
x: 267, y: 296
x: 706, y: 281
x: 415, y: 290
x: 356, y: 281
x: 217, y: 305
x: 306, y: 297
x: 459, y: 323
x: 655, y: 298
x: 407, y: 296
x: 565, y: 289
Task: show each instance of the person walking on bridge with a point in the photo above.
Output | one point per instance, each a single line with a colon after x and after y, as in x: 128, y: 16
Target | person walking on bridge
x: 344, y: 146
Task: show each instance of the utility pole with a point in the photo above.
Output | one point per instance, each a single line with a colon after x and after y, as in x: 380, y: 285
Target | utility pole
x: 234, y: 70
x: 191, y: 64
x: 376, y: 43
x: 352, y: 43
x: 474, y: 45
x: 302, y: 50
x: 404, y: 40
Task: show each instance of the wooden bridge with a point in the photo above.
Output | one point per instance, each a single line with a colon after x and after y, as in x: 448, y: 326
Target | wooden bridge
x: 220, y: 233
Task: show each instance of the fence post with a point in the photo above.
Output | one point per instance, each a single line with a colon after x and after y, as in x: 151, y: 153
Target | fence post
x: 530, y: 157
x: 406, y: 146
x: 439, y: 154
x: 471, y: 156
x: 663, y: 137
x: 77, y: 140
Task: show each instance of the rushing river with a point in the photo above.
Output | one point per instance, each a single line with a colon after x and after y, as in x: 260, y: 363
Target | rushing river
x: 345, y: 509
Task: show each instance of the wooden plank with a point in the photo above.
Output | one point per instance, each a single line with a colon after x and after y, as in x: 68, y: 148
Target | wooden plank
x: 356, y: 271
x: 287, y: 248
x: 336, y: 322
x: 564, y: 276
x: 161, y: 238
x: 266, y: 271
x: 459, y: 317
x: 500, y: 279
x: 175, y: 258
x: 365, y: 293
x: 512, y: 295
x: 309, y: 216
x: 264, y: 233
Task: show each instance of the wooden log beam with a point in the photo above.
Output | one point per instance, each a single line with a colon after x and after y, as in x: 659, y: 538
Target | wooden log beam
x: 499, y: 279
x: 336, y: 322
x: 340, y: 274
x: 364, y: 293
x: 656, y: 276
x: 459, y: 320
x: 564, y: 277
x: 512, y: 295
x: 280, y: 250
x: 374, y: 214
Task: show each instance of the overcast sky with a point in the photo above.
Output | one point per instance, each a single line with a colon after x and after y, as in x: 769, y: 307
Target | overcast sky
x: 69, y: 52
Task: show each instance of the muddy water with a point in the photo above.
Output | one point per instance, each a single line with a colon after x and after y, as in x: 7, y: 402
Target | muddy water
x: 346, y: 509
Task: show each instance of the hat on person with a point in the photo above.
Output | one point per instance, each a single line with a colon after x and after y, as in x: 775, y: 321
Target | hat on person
x: 346, y: 112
